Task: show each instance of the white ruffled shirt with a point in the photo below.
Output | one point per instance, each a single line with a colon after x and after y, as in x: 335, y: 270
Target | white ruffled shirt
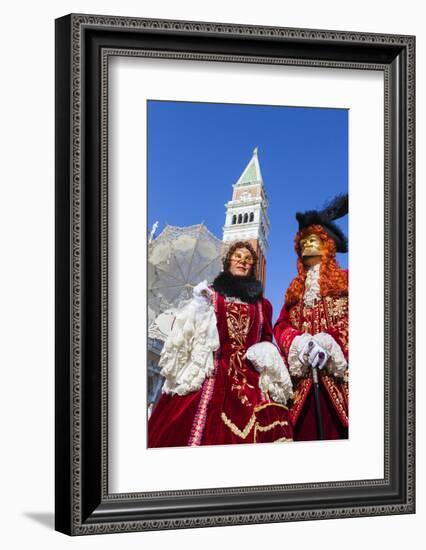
x: 312, y: 287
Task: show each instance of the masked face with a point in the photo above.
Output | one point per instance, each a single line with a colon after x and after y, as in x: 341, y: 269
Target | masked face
x: 311, y: 245
x: 241, y: 262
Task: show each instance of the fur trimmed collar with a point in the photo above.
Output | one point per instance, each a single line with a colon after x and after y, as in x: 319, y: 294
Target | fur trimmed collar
x: 247, y: 289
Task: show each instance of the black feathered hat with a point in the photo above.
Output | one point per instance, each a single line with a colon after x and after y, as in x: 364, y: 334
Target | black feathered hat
x: 335, y: 209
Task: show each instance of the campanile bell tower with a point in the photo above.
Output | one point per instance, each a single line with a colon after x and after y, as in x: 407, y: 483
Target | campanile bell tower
x: 246, y: 214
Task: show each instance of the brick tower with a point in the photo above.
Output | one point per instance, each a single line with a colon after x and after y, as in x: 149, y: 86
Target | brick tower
x: 246, y: 214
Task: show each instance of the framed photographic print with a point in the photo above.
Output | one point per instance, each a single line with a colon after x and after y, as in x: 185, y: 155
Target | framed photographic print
x: 234, y: 212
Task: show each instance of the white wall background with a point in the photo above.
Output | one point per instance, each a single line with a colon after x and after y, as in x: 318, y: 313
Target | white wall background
x: 27, y: 272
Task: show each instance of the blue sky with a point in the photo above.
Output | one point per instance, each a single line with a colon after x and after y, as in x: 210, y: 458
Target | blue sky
x: 196, y: 151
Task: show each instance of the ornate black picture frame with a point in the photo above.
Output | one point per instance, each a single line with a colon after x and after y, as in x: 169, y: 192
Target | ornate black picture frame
x: 84, y: 44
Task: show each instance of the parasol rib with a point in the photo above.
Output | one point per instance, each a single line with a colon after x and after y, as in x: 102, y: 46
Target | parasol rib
x: 219, y: 257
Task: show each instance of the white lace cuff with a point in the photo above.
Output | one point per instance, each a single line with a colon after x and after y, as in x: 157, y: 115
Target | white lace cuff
x: 295, y: 365
x: 274, y: 378
x: 187, y: 356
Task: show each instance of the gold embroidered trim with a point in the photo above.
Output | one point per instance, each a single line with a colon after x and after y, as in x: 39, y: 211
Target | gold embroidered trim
x: 261, y: 407
x: 337, y: 398
x: 239, y: 322
x: 281, y: 439
x: 234, y: 429
x: 299, y: 398
x: 260, y: 428
x: 252, y: 422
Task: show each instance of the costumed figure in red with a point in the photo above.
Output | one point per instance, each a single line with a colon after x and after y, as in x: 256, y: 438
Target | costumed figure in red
x: 312, y: 329
x: 225, y: 382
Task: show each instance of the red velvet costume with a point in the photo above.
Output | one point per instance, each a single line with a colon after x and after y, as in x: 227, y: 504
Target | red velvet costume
x: 329, y: 315
x: 229, y: 407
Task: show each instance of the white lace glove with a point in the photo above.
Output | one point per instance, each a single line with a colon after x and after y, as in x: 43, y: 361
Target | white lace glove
x: 313, y: 355
x: 201, y: 293
x: 302, y: 355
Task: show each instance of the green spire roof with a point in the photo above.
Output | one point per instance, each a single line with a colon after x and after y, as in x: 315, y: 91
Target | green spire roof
x: 252, y: 173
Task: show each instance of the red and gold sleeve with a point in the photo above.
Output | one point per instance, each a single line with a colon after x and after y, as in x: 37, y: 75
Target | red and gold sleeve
x: 284, y: 332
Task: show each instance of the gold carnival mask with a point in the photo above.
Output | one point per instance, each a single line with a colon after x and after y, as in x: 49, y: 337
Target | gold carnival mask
x: 311, y: 246
x: 241, y: 262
